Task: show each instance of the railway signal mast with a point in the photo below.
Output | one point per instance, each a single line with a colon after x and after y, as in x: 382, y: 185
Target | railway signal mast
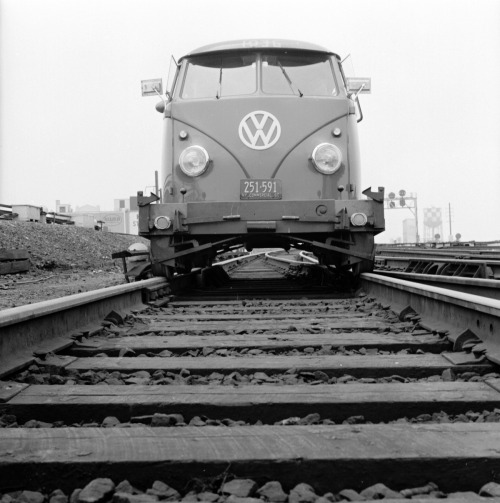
x: 404, y: 202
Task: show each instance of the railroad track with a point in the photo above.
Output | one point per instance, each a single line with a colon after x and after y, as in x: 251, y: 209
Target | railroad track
x: 387, y: 393
x: 398, y: 269
x: 458, y: 261
x: 451, y: 249
x: 476, y: 286
x: 476, y: 271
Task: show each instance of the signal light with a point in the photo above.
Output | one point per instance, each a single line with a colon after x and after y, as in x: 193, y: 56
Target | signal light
x: 402, y: 202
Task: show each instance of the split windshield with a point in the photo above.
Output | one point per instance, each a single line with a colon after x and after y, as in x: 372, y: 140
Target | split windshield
x: 218, y: 76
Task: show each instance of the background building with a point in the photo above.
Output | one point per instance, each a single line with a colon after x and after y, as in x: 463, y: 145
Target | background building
x: 409, y: 230
x: 87, y: 207
x: 63, y: 207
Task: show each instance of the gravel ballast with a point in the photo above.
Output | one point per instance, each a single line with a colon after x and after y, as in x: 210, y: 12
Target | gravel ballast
x: 64, y: 260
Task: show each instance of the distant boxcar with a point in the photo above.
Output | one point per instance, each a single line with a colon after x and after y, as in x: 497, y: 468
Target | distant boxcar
x: 27, y: 212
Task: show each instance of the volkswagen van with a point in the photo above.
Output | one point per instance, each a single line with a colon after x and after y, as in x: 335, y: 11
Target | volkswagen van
x: 260, y: 149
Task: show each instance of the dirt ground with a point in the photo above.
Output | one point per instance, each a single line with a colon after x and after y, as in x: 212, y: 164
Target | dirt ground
x: 64, y: 260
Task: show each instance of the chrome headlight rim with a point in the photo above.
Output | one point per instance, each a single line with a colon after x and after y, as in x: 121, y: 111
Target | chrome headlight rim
x: 359, y: 219
x: 162, y: 222
x: 321, y: 169
x: 182, y: 160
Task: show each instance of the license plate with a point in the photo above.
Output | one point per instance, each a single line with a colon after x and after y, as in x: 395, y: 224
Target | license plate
x: 260, y: 189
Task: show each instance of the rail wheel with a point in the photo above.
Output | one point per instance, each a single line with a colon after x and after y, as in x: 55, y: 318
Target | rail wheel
x: 363, y: 266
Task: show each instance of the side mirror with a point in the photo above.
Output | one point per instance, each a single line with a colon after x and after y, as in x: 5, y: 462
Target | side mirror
x: 359, y: 85
x: 356, y: 86
x: 152, y: 87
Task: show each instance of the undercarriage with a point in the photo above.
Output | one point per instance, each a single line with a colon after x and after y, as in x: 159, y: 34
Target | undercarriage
x: 191, y: 234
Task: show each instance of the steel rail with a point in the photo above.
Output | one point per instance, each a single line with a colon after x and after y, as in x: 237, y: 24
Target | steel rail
x: 48, y: 324
x: 493, y: 253
x: 236, y: 259
x: 476, y: 286
x: 305, y: 256
x: 416, y: 258
x: 472, y: 247
x: 463, y: 316
x: 285, y: 260
x: 480, y: 266
x: 481, y: 259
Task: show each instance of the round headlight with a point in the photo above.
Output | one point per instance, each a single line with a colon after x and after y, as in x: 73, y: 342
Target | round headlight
x: 327, y: 158
x: 194, y: 160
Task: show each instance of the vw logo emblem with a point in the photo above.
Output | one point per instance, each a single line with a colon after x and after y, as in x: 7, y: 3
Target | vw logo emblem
x: 259, y: 130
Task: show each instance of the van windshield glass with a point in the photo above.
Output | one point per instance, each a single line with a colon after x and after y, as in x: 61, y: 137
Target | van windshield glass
x: 219, y: 76
x: 307, y: 74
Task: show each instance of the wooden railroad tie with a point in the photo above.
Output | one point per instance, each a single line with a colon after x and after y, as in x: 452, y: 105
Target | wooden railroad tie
x: 14, y: 261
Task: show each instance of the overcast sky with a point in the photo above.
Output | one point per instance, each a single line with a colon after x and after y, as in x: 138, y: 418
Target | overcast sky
x: 74, y: 127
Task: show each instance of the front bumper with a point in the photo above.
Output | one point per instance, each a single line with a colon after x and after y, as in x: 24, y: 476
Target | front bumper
x: 241, y: 217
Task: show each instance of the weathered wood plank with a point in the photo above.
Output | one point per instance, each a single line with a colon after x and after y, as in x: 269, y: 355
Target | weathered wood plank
x: 10, y: 363
x: 283, y: 318
x: 269, y: 403
x: 13, y: 254
x: 494, y: 383
x: 9, y: 389
x: 345, y: 324
x: 283, y: 308
x: 356, y: 365
x: 260, y: 341
x: 260, y: 303
x: 461, y: 456
x: 14, y: 266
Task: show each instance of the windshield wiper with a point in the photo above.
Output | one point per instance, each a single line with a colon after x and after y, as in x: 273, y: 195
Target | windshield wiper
x: 289, y: 80
x: 219, y: 91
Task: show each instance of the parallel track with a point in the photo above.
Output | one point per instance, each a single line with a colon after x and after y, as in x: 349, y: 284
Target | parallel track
x: 465, y: 262
x: 324, y: 368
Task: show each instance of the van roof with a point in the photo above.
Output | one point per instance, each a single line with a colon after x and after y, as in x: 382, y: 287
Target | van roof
x: 252, y: 44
